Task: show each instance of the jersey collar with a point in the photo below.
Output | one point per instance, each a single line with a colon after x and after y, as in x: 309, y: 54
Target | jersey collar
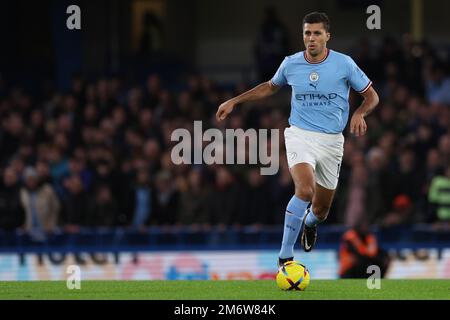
x: 316, y: 62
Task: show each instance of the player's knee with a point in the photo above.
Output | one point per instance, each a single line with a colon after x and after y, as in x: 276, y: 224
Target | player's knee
x: 321, y: 212
x: 305, y: 192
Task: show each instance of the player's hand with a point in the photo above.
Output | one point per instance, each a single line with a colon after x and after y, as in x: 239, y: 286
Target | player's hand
x: 358, y: 125
x: 224, y: 110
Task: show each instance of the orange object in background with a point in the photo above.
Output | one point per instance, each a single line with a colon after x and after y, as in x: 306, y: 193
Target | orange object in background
x: 358, y: 250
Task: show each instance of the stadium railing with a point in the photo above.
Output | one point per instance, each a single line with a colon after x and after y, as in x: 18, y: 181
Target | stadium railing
x: 155, y: 238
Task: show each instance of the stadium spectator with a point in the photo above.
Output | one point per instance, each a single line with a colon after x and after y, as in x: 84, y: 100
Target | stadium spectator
x: 408, y: 176
x: 167, y: 200
x: 13, y: 130
x: 444, y: 147
x: 422, y: 142
x: 401, y: 212
x: 439, y: 195
x: 78, y: 167
x: 143, y: 199
x: 379, y: 185
x: 74, y: 204
x: 434, y: 165
x: 12, y: 214
x: 256, y: 206
x: 103, y: 209
x: 438, y: 85
x: 224, y: 204
x: 166, y: 109
x: 152, y: 91
x: 105, y: 174
x: 41, y: 206
x: 193, y: 210
x: 356, y: 195
x: 358, y: 250
x: 43, y: 170
x: 58, y: 167
x: 37, y: 124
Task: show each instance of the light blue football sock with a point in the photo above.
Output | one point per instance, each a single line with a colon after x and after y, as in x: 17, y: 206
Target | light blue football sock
x: 311, y: 219
x: 292, y: 224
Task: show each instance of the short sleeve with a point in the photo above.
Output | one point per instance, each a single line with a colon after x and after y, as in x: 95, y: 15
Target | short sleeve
x: 279, y: 79
x: 357, y: 78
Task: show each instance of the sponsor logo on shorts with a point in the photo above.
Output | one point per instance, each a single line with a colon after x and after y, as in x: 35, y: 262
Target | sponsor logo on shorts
x: 292, y: 155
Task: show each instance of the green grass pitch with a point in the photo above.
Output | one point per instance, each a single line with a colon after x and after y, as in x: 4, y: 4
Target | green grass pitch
x: 228, y: 290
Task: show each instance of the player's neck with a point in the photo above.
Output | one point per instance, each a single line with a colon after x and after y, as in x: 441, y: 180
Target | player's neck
x: 317, y: 58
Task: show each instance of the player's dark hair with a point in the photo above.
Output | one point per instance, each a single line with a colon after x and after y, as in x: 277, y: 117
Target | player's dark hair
x: 318, y: 17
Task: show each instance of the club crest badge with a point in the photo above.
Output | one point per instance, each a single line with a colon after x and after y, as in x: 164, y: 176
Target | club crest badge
x: 314, y: 76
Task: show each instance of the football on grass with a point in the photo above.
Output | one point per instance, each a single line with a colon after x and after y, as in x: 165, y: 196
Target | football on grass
x: 293, y: 275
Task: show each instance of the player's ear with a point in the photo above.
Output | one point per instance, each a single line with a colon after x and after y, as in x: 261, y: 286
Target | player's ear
x: 328, y: 36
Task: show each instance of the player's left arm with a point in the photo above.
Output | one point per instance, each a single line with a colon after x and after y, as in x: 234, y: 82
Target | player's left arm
x: 358, y: 125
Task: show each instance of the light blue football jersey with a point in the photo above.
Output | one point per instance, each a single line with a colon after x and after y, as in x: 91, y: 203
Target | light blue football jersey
x: 320, y: 90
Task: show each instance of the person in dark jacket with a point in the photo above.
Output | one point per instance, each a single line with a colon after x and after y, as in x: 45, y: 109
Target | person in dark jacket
x: 103, y: 209
x: 12, y: 214
x: 74, y: 203
x: 167, y: 200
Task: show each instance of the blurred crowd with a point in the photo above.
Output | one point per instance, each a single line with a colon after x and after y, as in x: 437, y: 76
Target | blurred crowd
x: 100, y: 153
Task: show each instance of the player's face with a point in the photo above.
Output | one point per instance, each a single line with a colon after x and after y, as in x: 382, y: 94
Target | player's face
x: 315, y: 38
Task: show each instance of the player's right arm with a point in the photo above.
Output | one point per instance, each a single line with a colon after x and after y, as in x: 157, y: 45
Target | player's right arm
x: 262, y: 90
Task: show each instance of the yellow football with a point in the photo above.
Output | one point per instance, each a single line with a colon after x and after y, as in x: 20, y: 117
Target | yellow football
x: 293, y: 275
